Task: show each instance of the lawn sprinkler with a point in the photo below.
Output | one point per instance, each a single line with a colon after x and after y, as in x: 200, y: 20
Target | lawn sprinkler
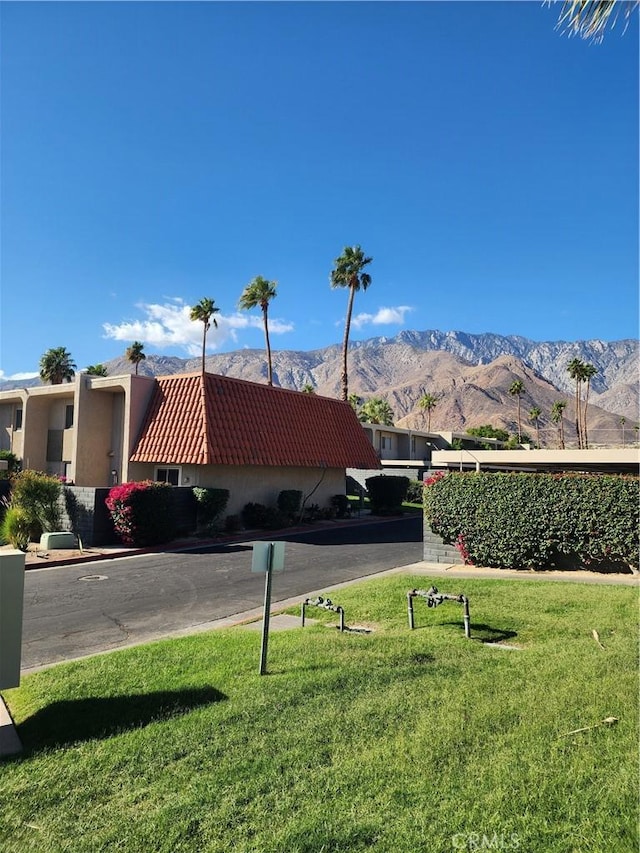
x: 435, y: 599
x: 325, y: 604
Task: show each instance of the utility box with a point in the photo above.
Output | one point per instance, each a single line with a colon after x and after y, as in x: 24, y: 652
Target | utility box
x: 11, y: 606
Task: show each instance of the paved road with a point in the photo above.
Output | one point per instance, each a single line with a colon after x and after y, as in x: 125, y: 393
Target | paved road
x: 78, y: 610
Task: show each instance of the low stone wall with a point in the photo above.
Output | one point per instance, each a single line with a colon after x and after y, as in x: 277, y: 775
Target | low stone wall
x: 435, y: 550
x: 85, y: 513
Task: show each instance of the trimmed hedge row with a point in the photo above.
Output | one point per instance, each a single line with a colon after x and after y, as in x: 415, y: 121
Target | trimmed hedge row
x: 537, y: 520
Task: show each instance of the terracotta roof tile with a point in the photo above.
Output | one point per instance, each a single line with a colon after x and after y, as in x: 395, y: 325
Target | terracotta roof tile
x: 217, y: 420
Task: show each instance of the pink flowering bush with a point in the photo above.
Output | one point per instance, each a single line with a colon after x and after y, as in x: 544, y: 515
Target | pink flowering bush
x: 142, y: 512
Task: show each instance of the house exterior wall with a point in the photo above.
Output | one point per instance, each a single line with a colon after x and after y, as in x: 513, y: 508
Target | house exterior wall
x: 257, y: 484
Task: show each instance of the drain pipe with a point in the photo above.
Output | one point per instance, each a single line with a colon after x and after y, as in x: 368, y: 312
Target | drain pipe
x: 325, y: 604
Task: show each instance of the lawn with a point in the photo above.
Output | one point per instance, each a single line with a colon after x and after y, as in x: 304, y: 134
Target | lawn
x: 391, y: 741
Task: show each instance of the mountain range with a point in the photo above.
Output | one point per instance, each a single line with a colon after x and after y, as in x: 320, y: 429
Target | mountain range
x: 470, y: 374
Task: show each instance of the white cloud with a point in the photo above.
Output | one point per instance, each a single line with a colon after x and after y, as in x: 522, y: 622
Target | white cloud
x: 169, y: 325
x: 17, y: 377
x: 383, y: 317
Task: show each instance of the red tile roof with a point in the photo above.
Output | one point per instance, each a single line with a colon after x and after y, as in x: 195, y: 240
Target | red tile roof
x: 216, y: 420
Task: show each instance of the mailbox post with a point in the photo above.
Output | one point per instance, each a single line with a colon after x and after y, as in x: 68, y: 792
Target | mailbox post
x: 11, y: 605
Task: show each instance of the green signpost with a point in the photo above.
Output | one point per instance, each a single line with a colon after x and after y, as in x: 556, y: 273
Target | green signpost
x: 268, y: 557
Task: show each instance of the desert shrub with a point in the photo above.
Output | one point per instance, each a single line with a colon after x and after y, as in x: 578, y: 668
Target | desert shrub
x: 275, y: 519
x: 342, y: 505
x: 386, y: 494
x: 254, y: 515
x: 211, y: 503
x: 289, y: 501
x: 142, y: 512
x: 415, y: 491
x: 38, y: 495
x: 232, y: 523
x: 13, y: 464
x: 537, y: 520
x: 16, y: 527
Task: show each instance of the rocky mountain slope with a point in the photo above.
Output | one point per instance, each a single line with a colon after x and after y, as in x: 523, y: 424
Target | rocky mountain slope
x: 471, y: 374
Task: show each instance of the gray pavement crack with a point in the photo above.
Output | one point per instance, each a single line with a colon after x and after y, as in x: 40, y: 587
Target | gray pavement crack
x: 117, y: 623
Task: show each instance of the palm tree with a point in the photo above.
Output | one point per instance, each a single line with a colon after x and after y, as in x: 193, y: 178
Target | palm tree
x: 135, y: 354
x: 623, y: 421
x: 516, y: 390
x: 427, y: 403
x: 260, y: 292
x: 534, y: 415
x: 203, y: 312
x: 588, y: 372
x: 96, y: 370
x: 307, y: 388
x: 575, y: 371
x: 376, y: 411
x: 57, y: 366
x: 590, y: 18
x: 557, y: 411
x: 348, y: 272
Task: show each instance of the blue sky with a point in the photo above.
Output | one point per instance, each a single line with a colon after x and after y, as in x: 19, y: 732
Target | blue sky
x: 157, y: 153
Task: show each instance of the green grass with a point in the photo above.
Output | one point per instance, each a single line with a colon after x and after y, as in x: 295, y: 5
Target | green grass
x: 390, y: 741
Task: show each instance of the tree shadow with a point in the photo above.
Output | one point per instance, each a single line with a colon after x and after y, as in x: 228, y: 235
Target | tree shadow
x: 96, y: 717
x: 215, y: 549
x: 479, y: 631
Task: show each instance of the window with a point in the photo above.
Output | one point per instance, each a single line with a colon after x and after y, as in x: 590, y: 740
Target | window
x: 18, y: 419
x: 68, y: 417
x: 168, y: 475
x: 386, y: 442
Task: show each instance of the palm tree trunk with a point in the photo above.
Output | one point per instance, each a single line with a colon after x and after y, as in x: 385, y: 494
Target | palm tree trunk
x: 204, y: 344
x: 578, y: 432
x: 428, y: 420
x: 266, y: 337
x: 345, y: 346
x: 519, y: 423
x: 584, y: 416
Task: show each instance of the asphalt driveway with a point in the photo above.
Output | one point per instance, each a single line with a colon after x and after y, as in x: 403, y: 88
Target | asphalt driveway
x: 76, y: 610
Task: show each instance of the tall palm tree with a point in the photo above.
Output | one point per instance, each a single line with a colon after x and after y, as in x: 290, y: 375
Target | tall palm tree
x: 534, y: 415
x: 348, y: 272
x: 588, y: 372
x: 623, y: 421
x: 427, y: 403
x: 203, y: 312
x: 57, y: 366
x: 590, y: 18
x: 516, y: 390
x: 575, y: 371
x: 260, y: 292
x: 96, y: 370
x: 135, y: 354
x: 557, y: 412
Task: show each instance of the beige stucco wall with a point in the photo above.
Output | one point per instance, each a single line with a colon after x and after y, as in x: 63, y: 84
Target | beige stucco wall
x: 258, y: 484
x: 10, y: 439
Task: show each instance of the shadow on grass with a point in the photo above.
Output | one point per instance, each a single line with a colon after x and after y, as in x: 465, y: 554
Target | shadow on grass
x: 96, y: 717
x: 479, y: 631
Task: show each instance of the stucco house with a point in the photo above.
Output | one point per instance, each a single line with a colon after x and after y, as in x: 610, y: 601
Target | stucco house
x: 188, y: 430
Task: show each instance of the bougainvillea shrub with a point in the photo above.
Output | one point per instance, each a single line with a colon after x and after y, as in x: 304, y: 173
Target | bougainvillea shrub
x: 142, y: 512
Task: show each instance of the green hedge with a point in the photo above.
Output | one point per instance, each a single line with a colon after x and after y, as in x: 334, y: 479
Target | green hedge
x: 386, y: 494
x: 537, y: 520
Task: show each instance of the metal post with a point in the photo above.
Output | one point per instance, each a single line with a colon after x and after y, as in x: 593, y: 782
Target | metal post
x: 302, y: 607
x: 341, y: 614
x: 467, y: 618
x: 410, y: 609
x: 265, y: 618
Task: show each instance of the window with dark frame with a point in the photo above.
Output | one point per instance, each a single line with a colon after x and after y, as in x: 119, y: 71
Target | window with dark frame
x: 68, y: 417
x: 18, y: 418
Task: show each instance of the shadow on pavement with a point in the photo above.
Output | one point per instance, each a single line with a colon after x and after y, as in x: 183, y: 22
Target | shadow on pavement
x: 96, y: 717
